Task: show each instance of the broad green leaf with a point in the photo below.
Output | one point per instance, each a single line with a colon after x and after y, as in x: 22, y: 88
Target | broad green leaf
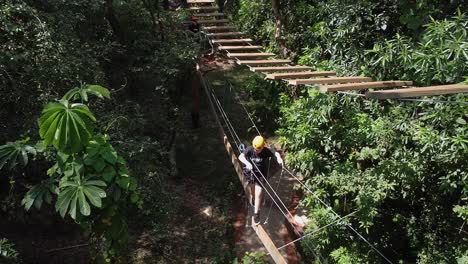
x: 14, y: 153
x: 84, y: 205
x: 108, y: 173
x: 79, y: 193
x: 83, y: 91
x: 110, y: 156
x: 99, y: 164
x: 64, y: 199
x: 66, y: 126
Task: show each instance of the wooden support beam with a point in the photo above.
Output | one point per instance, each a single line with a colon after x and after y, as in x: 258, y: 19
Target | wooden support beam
x: 224, y: 34
x: 219, y: 28
x: 281, y: 68
x: 203, y: 8
x: 289, y: 75
x: 350, y: 79
x: 200, y: 1
x: 239, y: 47
x: 362, y: 86
x: 269, y: 245
x: 213, y: 21
x: 261, y: 62
x: 418, y: 91
x: 208, y: 14
x: 223, y: 41
x: 248, y: 55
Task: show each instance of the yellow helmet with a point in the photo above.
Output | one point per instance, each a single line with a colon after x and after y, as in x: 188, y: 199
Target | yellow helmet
x: 258, y: 142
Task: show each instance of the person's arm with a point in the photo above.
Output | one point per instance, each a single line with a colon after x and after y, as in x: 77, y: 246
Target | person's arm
x: 278, y: 158
x: 244, y: 160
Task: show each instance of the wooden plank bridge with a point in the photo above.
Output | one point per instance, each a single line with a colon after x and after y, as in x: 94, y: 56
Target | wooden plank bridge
x: 224, y: 37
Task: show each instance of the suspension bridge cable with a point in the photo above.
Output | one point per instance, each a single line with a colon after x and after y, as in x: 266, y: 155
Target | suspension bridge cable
x: 318, y: 229
x: 348, y: 225
x: 281, y: 210
x: 236, y: 95
x: 335, y: 213
x: 228, y: 122
x: 230, y: 126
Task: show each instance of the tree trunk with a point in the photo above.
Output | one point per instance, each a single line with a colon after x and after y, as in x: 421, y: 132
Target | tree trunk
x: 278, y: 27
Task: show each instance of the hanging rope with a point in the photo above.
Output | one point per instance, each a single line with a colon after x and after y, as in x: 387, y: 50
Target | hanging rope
x: 348, y: 225
x: 336, y: 214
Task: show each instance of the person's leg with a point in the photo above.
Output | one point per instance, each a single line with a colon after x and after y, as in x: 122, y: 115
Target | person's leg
x: 258, y: 198
x: 252, y: 193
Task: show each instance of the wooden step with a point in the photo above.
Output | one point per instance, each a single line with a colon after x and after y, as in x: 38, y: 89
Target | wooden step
x: 418, y: 91
x: 203, y: 8
x: 362, y: 86
x: 221, y: 41
x: 249, y: 55
x: 200, y: 1
x: 224, y: 34
x: 281, y: 68
x: 261, y: 62
x: 239, y: 47
x: 350, y: 79
x: 208, y: 14
x: 219, y: 28
x: 289, y: 75
x: 213, y: 21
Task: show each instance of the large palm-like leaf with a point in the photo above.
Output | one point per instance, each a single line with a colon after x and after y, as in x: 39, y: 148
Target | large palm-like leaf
x: 39, y: 193
x: 79, y: 193
x: 84, y: 90
x: 14, y: 153
x: 67, y: 126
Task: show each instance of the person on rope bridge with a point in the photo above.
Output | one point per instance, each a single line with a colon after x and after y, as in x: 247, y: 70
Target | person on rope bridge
x: 194, y: 26
x: 257, y: 162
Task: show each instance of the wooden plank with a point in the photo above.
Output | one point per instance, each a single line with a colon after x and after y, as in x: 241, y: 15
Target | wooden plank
x: 213, y: 21
x: 239, y: 47
x: 222, y: 41
x: 247, y: 55
x: 418, y: 91
x: 200, y: 1
x: 260, y: 62
x: 289, y: 75
x: 269, y: 245
x: 362, y: 86
x: 350, y: 79
x: 280, y: 68
x: 224, y: 34
x: 219, y: 28
x: 208, y: 14
x: 203, y: 8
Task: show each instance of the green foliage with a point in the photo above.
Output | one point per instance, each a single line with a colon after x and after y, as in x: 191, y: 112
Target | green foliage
x: 16, y: 153
x: 39, y: 194
x: 8, y: 254
x: 78, y: 193
x: 88, y: 172
x: 441, y: 56
x: 66, y: 125
x: 344, y: 256
x: 402, y: 166
x: 252, y: 258
x: 83, y: 92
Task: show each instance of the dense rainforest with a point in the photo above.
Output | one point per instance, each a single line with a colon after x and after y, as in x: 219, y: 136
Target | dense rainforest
x: 94, y: 100
x: 400, y: 165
